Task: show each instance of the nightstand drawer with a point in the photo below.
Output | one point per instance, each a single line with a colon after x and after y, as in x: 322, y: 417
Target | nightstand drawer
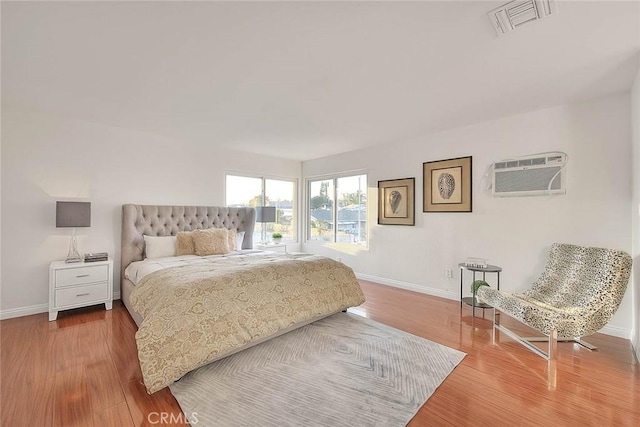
x: 79, y: 285
x: 81, y: 294
x: 81, y: 275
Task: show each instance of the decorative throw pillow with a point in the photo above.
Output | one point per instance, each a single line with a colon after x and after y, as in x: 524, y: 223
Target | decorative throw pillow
x: 159, y: 246
x: 232, y: 235
x: 185, y: 244
x: 213, y: 241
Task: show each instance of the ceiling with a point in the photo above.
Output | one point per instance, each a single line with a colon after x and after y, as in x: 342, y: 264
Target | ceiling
x: 304, y: 80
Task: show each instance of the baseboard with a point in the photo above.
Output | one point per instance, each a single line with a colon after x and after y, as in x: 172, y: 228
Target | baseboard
x: 33, y: 309
x: 635, y: 342
x: 24, y: 311
x: 607, y: 330
x: 615, y: 331
x: 410, y: 286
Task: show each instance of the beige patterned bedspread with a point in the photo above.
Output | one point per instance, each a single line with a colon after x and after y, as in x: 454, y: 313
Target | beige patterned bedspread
x: 195, y: 314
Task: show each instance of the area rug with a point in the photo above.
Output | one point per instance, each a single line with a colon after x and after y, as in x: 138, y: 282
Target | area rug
x: 344, y: 370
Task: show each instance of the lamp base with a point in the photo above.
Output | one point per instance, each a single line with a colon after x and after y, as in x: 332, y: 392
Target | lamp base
x: 73, y: 255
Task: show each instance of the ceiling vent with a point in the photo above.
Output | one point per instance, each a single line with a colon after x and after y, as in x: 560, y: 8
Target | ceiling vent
x: 512, y: 15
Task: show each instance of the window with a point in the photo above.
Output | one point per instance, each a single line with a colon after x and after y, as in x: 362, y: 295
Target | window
x: 251, y: 191
x: 342, y: 201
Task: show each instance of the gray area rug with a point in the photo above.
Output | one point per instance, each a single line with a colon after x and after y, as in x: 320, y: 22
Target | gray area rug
x: 344, y: 370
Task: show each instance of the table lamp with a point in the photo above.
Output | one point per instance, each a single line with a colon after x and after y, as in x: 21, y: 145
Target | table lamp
x: 265, y: 214
x: 73, y: 214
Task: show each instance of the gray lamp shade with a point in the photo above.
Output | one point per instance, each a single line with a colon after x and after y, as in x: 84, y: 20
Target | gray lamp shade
x: 266, y: 214
x: 73, y: 214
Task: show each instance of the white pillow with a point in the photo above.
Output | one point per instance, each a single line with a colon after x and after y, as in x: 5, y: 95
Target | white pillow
x: 239, y: 240
x: 160, y: 246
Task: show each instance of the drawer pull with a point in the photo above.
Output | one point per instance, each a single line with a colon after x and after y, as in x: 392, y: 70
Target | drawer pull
x: 83, y: 275
x: 83, y: 295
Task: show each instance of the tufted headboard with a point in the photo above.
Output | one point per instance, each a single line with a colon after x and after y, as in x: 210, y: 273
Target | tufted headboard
x: 151, y: 220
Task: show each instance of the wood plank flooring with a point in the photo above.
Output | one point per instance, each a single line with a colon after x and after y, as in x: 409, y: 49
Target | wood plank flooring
x: 82, y: 370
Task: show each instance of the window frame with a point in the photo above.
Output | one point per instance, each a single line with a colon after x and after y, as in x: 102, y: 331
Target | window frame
x: 264, y: 178
x: 334, y: 214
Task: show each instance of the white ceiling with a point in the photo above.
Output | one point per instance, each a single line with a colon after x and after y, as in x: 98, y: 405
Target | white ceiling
x: 303, y: 80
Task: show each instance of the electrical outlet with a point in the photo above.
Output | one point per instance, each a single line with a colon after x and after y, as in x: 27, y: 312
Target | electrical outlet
x: 448, y: 273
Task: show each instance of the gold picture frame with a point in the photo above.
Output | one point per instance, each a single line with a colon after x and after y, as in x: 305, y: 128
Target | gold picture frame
x: 447, y: 185
x: 396, y: 201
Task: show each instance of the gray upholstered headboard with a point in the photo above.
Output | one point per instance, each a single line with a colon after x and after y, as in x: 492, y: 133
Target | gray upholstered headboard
x: 138, y: 220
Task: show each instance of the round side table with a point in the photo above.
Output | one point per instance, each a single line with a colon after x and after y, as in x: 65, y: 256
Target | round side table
x: 472, y: 301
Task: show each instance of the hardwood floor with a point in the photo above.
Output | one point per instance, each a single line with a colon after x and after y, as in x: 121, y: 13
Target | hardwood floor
x: 82, y: 370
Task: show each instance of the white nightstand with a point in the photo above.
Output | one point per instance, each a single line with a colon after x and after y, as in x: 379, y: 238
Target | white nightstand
x: 276, y: 247
x: 79, y: 285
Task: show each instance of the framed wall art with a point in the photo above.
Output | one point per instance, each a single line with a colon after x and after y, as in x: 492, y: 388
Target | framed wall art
x: 396, y: 202
x: 447, y: 185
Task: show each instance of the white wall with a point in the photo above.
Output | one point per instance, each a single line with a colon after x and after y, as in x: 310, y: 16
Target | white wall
x: 47, y: 158
x: 635, y: 208
x: 515, y: 233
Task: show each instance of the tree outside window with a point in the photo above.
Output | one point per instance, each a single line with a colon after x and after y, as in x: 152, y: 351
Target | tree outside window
x: 344, y: 221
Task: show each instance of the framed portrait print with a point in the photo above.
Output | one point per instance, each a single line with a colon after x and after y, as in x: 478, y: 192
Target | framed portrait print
x: 447, y: 185
x: 396, y: 202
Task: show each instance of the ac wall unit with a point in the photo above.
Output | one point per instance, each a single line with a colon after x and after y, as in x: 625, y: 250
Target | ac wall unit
x: 539, y: 175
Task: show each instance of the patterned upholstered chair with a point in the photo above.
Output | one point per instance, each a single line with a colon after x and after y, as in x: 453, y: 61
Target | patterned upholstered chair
x: 578, y: 293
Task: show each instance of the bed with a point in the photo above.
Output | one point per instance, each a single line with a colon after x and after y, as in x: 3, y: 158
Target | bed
x: 152, y: 220
x: 192, y: 310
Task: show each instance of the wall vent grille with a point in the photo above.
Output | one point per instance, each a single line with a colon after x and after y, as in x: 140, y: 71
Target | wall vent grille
x: 514, y: 14
x: 530, y: 176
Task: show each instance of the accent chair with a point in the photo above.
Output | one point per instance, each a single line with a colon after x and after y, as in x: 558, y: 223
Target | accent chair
x: 577, y: 294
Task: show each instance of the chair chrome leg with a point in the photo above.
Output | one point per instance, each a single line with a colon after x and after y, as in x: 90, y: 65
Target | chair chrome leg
x: 524, y: 342
x: 577, y: 340
x: 553, y: 345
x: 552, y: 353
x: 494, y: 321
x: 585, y: 344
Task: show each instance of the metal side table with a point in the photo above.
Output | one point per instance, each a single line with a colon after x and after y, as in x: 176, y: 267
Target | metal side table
x: 472, y: 301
